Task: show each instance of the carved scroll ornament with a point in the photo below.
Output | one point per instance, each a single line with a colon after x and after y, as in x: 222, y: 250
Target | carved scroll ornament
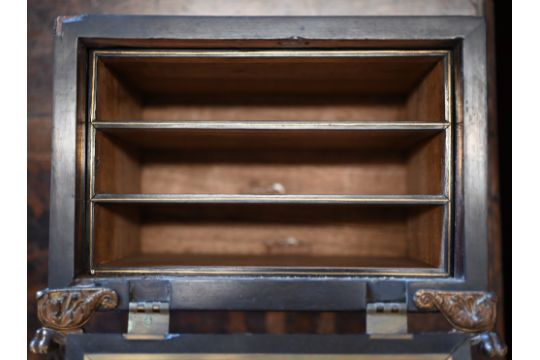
x: 69, y: 309
x: 62, y: 311
x: 467, y: 311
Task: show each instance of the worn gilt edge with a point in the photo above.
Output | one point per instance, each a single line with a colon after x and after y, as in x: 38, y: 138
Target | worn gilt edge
x: 66, y: 310
x: 467, y: 311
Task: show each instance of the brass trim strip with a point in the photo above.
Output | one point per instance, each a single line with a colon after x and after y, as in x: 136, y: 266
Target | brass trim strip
x: 360, y: 272
x: 90, y: 165
x: 224, y: 356
x: 285, y: 53
x: 271, y: 199
x: 448, y: 160
x: 273, y: 125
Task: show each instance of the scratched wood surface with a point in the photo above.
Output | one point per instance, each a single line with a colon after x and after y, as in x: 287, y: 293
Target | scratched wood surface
x: 41, y: 16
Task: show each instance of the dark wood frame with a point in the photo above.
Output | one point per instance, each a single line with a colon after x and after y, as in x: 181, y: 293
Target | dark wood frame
x: 270, y: 347
x: 465, y: 36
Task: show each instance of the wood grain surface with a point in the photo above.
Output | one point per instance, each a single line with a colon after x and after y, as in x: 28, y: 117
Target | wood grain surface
x: 273, y: 235
x: 41, y: 17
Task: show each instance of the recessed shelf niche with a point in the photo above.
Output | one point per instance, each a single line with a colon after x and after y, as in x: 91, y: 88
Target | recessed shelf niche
x: 284, y: 161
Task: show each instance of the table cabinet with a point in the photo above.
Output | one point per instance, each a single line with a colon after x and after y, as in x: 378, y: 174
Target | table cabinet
x: 252, y: 163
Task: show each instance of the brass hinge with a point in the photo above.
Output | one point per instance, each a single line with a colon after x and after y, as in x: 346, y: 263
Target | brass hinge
x: 387, y: 320
x: 148, y: 320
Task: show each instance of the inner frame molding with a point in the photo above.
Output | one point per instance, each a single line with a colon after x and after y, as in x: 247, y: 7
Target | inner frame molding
x: 446, y: 124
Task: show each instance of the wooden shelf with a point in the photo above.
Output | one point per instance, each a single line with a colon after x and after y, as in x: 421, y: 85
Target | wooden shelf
x: 272, y: 125
x: 271, y: 199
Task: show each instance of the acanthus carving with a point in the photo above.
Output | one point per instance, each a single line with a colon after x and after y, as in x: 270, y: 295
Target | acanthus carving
x: 467, y: 311
x: 63, y: 311
x: 69, y: 309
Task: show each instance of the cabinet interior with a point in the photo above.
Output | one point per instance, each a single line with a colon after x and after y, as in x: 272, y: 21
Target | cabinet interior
x: 364, y: 137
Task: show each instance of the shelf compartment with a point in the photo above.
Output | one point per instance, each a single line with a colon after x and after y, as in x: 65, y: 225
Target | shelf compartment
x: 269, y: 161
x: 276, y: 235
x: 283, y: 85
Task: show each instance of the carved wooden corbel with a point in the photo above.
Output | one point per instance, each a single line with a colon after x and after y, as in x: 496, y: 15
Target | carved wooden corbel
x: 63, y: 311
x: 468, y: 311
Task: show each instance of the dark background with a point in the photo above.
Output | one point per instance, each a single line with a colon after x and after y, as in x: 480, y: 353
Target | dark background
x: 41, y: 15
x: 501, y: 25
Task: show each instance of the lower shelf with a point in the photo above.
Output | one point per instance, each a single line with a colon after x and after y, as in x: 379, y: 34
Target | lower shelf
x: 143, y: 235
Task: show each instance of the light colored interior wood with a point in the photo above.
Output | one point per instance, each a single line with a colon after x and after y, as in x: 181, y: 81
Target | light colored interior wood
x: 426, y: 228
x: 278, y: 261
x: 117, y: 166
x: 308, y: 89
x: 425, y: 166
x: 269, y: 162
x: 427, y: 100
x: 321, y: 109
x: 114, y: 100
x: 269, y: 235
x: 117, y: 233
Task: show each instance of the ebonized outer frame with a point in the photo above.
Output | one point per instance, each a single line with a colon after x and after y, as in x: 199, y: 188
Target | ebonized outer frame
x: 464, y: 35
x: 271, y: 347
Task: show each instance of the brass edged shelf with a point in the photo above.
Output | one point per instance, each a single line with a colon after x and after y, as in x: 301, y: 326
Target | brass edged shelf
x: 272, y: 125
x: 271, y: 199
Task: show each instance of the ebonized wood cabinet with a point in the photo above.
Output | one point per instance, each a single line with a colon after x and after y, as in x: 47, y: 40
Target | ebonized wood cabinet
x: 269, y: 164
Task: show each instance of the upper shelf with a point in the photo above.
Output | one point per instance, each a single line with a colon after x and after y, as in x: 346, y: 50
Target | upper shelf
x: 296, y: 86
x: 270, y: 125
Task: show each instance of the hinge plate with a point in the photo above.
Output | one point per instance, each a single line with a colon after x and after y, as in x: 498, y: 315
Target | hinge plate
x: 386, y: 319
x: 148, y: 320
